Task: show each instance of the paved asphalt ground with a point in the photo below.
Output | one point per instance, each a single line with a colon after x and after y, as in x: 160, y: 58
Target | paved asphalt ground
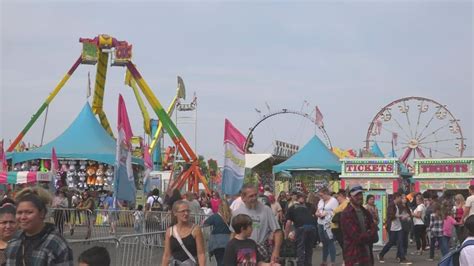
x: 154, y: 254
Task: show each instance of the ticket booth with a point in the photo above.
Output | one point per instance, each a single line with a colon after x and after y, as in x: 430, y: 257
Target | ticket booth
x: 379, y: 177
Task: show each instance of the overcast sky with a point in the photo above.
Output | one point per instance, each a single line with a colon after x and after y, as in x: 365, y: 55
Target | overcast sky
x: 350, y: 58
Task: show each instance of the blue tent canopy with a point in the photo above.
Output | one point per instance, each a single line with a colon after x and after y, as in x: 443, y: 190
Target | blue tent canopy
x: 375, y: 149
x: 85, y: 138
x: 313, y: 156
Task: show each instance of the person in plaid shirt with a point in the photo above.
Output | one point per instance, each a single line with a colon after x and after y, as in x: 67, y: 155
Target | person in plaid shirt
x: 38, y: 243
x: 436, y: 229
x: 358, y: 230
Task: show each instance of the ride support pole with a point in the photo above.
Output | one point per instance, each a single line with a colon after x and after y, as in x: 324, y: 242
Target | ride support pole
x: 146, y: 116
x: 158, y: 132
x: 45, y: 104
x: 161, y: 113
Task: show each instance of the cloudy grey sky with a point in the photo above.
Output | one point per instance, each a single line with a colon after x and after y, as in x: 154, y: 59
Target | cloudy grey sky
x: 350, y: 58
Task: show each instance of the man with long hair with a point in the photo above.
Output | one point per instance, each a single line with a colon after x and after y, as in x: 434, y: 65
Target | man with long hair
x: 264, y: 222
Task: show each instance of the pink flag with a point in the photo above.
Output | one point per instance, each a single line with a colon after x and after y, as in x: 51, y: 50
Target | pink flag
x: 54, y: 161
x: 395, y: 138
x: 378, y: 127
x: 124, y: 182
x: 234, y: 160
x: 147, y: 157
x: 319, y: 117
x: 3, y: 158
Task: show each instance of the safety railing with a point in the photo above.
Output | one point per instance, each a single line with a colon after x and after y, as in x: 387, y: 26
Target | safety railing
x: 144, y: 249
x: 134, y: 249
x: 100, y: 223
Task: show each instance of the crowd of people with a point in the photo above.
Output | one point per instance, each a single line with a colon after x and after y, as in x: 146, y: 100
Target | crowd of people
x: 27, y: 239
x: 257, y: 228
x: 253, y: 228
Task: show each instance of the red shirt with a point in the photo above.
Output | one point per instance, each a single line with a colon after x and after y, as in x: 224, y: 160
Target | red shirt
x: 215, y: 205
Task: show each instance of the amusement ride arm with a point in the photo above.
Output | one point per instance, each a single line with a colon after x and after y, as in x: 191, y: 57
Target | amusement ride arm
x: 180, y: 94
x: 146, y: 117
x: 183, y: 147
x: 99, y: 89
x: 45, y: 104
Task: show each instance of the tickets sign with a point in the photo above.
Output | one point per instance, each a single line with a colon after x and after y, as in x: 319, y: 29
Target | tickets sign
x: 453, y: 167
x: 371, y: 167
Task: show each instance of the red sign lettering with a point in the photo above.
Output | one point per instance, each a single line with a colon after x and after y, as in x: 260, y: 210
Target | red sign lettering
x: 444, y: 168
x: 369, y: 168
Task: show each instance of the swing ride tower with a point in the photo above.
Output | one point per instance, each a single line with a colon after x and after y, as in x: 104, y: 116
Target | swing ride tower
x: 99, y: 51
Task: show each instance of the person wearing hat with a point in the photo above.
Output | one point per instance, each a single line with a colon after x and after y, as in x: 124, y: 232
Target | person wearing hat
x: 358, y: 230
x: 300, y: 214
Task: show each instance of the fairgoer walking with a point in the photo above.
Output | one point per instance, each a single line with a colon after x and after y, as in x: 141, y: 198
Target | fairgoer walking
x: 394, y: 226
x: 358, y: 230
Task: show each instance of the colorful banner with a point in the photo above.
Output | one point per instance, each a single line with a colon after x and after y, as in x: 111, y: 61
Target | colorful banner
x: 148, y: 168
x: 124, y: 186
x: 234, y: 160
x: 24, y: 177
x: 319, y: 118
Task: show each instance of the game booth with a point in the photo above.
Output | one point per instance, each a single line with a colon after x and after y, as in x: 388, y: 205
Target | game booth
x: 86, y: 156
x: 312, y: 165
x: 454, y: 175
x: 379, y: 177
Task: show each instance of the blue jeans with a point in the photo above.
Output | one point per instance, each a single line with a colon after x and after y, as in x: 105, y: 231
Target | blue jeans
x: 305, y: 237
x: 328, y: 245
x: 445, y: 245
x: 395, y: 237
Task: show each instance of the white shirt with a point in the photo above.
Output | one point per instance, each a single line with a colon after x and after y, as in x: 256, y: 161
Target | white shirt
x: 422, y: 210
x: 152, y: 199
x: 470, y: 203
x: 326, y: 208
x: 466, y: 258
x: 236, y: 204
x: 396, y: 224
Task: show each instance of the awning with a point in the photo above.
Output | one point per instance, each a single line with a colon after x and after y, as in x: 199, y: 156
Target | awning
x: 252, y: 160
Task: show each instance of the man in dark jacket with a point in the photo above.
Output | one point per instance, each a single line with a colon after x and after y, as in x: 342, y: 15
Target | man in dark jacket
x: 358, y: 230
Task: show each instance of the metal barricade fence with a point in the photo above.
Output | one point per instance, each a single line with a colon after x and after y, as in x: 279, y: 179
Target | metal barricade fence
x: 144, y: 249
x: 79, y: 245
x: 86, y: 224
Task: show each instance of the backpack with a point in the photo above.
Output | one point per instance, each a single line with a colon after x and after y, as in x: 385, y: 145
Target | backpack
x: 452, y: 258
x: 156, y: 205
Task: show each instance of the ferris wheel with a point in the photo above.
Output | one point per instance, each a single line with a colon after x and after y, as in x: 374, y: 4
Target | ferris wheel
x: 415, y: 127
